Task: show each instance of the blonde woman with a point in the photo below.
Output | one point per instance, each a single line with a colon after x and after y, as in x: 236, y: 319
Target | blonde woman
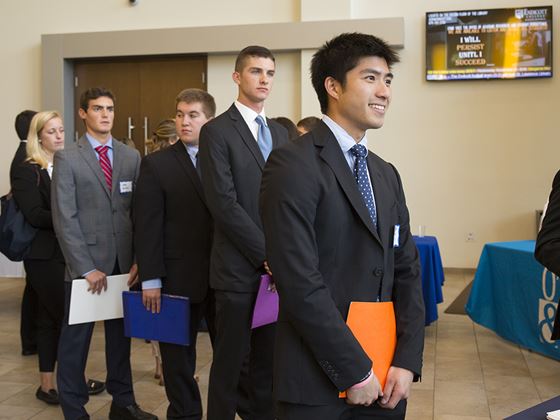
x: 44, y: 266
x: 163, y: 136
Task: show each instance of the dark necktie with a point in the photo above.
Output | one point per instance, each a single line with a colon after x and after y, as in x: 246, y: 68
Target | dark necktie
x: 264, y: 138
x: 361, y: 175
x: 105, y: 164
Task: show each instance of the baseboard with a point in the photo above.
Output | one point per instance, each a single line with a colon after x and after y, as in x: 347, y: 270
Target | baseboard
x: 459, y: 270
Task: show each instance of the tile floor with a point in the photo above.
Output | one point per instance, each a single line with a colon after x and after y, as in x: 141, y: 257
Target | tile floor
x: 469, y: 373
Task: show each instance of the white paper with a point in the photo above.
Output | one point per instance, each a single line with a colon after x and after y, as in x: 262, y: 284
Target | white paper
x: 553, y: 415
x: 89, y: 307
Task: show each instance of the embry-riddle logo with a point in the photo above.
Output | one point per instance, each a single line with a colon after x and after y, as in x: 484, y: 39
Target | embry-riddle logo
x: 547, y: 307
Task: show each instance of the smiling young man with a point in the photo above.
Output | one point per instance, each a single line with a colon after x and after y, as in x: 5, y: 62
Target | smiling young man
x: 172, y: 236
x: 233, y: 148
x: 337, y: 230
x: 93, y: 182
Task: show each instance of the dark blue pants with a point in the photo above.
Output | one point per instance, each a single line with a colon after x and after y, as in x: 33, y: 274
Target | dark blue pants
x: 73, y: 349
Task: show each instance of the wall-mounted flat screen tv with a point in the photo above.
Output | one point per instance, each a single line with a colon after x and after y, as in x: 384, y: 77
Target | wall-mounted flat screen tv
x: 489, y: 44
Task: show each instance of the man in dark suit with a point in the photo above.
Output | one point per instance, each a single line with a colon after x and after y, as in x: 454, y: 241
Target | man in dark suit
x: 173, y: 236
x: 28, y: 324
x: 233, y: 148
x: 547, y: 248
x: 337, y: 230
x: 93, y: 182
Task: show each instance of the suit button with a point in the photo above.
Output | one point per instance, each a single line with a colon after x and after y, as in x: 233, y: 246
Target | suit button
x: 378, y: 272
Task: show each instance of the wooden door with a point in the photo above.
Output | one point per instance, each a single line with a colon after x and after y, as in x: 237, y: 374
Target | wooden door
x: 161, y: 81
x: 145, y: 89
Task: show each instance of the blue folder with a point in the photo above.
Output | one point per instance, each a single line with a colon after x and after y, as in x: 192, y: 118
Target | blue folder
x: 170, y: 325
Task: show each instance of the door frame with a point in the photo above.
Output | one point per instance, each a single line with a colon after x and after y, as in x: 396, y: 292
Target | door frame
x: 59, y: 51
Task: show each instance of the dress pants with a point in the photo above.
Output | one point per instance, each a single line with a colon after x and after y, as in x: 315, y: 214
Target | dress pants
x: 28, y: 320
x: 179, y: 363
x: 46, y: 278
x: 210, y: 315
x: 73, y: 350
x: 242, y: 362
x: 339, y: 411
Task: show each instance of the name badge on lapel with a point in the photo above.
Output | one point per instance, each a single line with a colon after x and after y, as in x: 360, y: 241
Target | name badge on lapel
x: 396, y: 233
x: 125, y: 187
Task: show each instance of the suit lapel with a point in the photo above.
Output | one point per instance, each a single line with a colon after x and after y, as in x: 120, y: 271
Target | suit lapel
x: 88, y: 154
x: 44, y: 175
x: 186, y: 164
x: 246, y: 135
x: 274, y: 133
x: 381, y: 196
x: 333, y: 156
x: 117, y: 165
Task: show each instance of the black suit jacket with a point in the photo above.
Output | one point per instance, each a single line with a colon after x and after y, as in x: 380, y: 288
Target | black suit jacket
x: 172, y: 225
x: 547, y: 248
x: 325, y: 252
x: 31, y: 187
x: 232, y: 166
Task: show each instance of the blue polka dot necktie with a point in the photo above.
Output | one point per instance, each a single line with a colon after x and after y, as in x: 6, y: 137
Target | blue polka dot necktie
x: 264, y: 138
x: 361, y: 175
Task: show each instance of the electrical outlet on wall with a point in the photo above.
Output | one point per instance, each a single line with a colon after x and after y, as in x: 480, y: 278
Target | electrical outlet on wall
x: 470, y: 237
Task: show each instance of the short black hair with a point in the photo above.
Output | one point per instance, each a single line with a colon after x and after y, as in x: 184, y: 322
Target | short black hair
x: 94, y: 93
x: 340, y: 55
x: 252, y: 51
x: 23, y: 121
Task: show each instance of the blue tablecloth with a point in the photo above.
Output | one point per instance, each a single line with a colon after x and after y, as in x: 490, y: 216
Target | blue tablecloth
x: 432, y: 275
x: 515, y: 296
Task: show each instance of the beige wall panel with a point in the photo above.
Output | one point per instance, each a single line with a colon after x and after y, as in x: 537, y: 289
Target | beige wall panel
x: 475, y: 156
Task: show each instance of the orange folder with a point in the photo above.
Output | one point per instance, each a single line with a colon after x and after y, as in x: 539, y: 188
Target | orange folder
x: 374, y: 326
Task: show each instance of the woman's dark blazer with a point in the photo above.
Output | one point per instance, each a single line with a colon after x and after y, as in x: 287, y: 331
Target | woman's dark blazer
x: 31, y: 187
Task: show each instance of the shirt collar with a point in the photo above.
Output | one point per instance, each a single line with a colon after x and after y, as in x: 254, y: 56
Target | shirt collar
x: 248, y: 114
x: 191, y: 150
x: 345, y: 140
x: 95, y: 143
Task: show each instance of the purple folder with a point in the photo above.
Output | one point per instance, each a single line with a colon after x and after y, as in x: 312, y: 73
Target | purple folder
x: 266, y: 305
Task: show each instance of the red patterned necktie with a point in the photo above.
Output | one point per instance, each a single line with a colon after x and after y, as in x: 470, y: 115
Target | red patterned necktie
x: 105, y: 164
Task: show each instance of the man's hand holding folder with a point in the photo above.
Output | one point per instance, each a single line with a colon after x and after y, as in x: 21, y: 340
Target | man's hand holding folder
x: 97, y: 281
x: 397, y: 387
x: 374, y: 326
x: 366, y: 394
x: 151, y: 298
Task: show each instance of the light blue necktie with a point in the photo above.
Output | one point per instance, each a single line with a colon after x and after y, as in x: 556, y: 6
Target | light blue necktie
x: 264, y: 138
x: 360, y: 173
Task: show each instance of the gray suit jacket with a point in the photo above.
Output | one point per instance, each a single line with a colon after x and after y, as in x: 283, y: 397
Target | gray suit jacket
x: 93, y: 224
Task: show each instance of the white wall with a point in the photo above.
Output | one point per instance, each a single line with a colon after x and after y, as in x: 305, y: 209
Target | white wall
x: 474, y: 156
x: 286, y: 80
x: 24, y: 21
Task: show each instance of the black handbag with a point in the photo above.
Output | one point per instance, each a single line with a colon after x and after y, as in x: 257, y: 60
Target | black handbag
x: 16, y: 234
